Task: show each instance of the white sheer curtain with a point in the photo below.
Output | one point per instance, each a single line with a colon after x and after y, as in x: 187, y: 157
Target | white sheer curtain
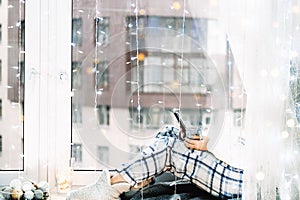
x: 260, y: 33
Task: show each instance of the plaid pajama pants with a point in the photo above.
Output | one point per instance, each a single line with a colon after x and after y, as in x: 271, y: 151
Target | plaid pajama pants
x: 200, y: 167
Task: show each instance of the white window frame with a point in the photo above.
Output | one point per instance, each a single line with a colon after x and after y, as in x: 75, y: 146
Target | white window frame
x: 55, y: 105
x: 32, y: 120
x: 47, y: 124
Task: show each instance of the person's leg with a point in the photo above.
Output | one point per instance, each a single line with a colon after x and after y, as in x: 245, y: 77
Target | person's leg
x: 206, y: 171
x: 153, y: 161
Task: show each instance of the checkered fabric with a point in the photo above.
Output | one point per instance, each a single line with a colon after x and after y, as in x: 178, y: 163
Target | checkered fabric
x: 200, y: 167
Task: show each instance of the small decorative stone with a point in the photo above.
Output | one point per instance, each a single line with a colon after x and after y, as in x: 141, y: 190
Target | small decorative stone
x: 16, y: 194
x: 38, y: 194
x: 6, y: 192
x: 27, y: 186
x: 21, y: 189
x: 29, y: 195
x: 16, y: 183
x: 46, y: 195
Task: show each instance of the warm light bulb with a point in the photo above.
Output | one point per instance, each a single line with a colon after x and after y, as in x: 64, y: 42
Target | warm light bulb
x: 275, y: 73
x: 296, y: 9
x: 290, y: 123
x: 213, y: 2
x: 260, y: 176
x: 263, y: 73
x: 142, y: 12
x: 90, y: 70
x: 285, y: 134
x: 176, y: 5
x: 282, y: 97
x: 96, y: 61
x: 141, y: 57
x: 294, y: 54
x: 275, y: 24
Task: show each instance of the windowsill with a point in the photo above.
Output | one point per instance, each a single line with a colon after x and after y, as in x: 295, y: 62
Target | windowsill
x: 57, y: 196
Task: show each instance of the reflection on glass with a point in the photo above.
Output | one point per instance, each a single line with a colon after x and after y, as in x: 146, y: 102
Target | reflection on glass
x: 144, y: 64
x: 12, y: 80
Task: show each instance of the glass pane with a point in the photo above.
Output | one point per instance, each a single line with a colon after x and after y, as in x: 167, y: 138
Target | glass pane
x: 132, y: 65
x: 12, y: 80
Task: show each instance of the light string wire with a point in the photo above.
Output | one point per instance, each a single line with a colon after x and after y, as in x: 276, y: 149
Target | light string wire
x: 138, y: 77
x: 181, y: 56
x: 137, y: 65
x: 181, y: 70
x: 96, y: 63
x: 243, y: 93
x: 20, y: 109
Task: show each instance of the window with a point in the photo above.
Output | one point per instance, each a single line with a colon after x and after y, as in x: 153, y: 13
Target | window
x: 22, y: 72
x: 103, y: 114
x: 238, y: 117
x: 102, y: 76
x: 0, y: 70
x: 0, y: 145
x: 77, y: 31
x: 0, y: 33
x: 102, y: 31
x: 0, y: 108
x: 77, y: 152
x: 138, y: 118
x: 103, y: 154
x: 21, y: 31
x: 149, y: 118
x: 76, y: 75
x: 106, y: 106
x: 76, y: 113
x: 22, y: 43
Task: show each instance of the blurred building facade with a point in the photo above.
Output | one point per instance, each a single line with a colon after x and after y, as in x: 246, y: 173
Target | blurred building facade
x: 131, y: 65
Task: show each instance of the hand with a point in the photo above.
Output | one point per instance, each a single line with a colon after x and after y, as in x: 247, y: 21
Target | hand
x: 200, y: 145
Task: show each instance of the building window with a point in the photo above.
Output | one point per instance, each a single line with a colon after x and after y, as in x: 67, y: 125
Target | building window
x: 0, y: 71
x: 103, y: 154
x: 138, y: 117
x: 22, y: 38
x: 76, y: 113
x: 0, y: 108
x: 22, y: 72
x: 238, y: 117
x: 103, y: 114
x: 102, y: 76
x: 77, y: 152
x: 0, y: 145
x: 0, y: 33
x: 76, y: 75
x: 102, y: 31
x: 150, y: 118
x: 77, y: 31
